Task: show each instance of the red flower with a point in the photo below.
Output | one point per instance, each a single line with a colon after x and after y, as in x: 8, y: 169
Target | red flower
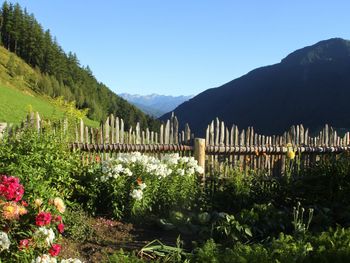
x: 10, y: 188
x: 43, y: 219
x: 60, y: 228
x: 24, y: 243
x: 55, y: 250
x: 24, y: 203
x: 58, y: 219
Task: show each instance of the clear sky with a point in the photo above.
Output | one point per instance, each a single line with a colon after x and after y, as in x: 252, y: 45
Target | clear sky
x: 183, y: 47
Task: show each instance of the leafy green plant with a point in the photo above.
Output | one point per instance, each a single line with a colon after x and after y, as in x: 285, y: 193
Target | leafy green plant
x: 331, y: 246
x: 288, y: 249
x: 209, y: 252
x: 156, y: 249
x: 231, y: 193
x: 122, y: 256
x: 78, y: 224
x: 43, y: 162
x: 233, y: 230
x: 265, y: 220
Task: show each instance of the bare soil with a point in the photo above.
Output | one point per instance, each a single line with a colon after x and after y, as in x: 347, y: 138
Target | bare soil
x: 110, y: 236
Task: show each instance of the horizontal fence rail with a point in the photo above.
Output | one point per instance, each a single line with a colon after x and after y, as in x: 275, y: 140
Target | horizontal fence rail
x: 208, y: 149
x: 149, y: 148
x: 274, y: 149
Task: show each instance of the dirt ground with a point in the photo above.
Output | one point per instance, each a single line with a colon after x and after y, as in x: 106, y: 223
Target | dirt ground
x: 110, y: 236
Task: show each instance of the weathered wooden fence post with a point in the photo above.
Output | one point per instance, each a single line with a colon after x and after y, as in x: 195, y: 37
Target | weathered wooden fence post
x: 199, y: 153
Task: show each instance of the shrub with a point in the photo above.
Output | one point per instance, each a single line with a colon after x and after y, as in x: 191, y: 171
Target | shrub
x: 78, y: 224
x: 43, y: 163
x: 331, y: 246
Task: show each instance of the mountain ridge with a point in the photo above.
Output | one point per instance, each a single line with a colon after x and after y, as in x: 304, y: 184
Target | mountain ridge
x: 272, y: 98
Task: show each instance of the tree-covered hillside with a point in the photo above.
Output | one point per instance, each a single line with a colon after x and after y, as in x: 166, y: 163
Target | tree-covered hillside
x: 62, y: 74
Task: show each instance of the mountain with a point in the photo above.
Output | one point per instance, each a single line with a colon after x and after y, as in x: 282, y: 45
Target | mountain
x: 310, y: 86
x: 154, y: 104
x: 59, y: 73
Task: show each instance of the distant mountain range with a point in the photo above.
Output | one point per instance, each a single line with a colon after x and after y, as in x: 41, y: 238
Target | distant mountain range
x: 154, y: 104
x: 310, y: 86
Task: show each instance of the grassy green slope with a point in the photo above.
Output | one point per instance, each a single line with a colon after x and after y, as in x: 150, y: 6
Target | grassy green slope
x: 16, y: 97
x: 15, y: 105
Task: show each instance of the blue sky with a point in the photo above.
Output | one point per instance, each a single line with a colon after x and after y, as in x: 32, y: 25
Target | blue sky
x: 184, y: 47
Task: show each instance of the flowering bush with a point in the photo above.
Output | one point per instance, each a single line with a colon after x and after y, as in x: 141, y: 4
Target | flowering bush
x: 28, y: 231
x: 135, y: 185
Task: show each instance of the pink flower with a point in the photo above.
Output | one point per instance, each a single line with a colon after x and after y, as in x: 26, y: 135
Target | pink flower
x: 60, y: 228
x: 43, y: 219
x: 10, y: 188
x: 55, y: 250
x: 24, y: 243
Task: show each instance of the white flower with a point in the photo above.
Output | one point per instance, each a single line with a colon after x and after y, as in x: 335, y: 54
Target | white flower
x: 151, y: 167
x: 4, y: 241
x: 192, y: 161
x: 71, y: 260
x: 127, y: 172
x: 136, y: 194
x: 184, y: 159
x: 45, y: 259
x: 171, y: 159
x: 118, y: 168
x: 47, y: 234
x: 190, y: 171
x: 162, y: 171
x: 142, y: 186
x: 199, y: 169
x: 181, y: 172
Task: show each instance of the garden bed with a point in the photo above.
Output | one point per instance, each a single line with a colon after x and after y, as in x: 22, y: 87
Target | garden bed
x: 136, y: 208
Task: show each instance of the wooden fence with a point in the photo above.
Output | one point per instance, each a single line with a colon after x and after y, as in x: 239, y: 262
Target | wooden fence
x: 244, y: 148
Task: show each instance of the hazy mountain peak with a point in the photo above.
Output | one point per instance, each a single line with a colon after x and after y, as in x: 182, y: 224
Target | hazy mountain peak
x: 326, y: 50
x: 155, y: 104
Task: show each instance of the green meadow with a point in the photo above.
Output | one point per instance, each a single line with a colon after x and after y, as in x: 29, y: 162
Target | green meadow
x: 16, y: 104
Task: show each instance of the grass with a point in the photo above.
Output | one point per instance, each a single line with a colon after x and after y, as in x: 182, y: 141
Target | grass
x: 15, y: 105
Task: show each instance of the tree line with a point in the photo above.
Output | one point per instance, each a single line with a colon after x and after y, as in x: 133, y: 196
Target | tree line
x: 62, y: 74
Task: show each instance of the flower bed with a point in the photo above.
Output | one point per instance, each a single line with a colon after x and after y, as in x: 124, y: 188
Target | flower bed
x: 29, y: 230
x: 135, y: 185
